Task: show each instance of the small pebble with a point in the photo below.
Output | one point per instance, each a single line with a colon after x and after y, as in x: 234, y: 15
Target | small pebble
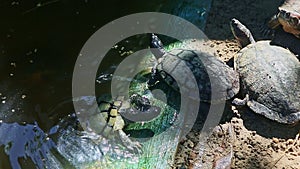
x: 240, y: 156
x: 290, y: 141
x: 190, y: 144
x: 208, y: 154
x: 290, y: 149
x: 275, y: 146
x: 275, y: 140
x: 294, y: 154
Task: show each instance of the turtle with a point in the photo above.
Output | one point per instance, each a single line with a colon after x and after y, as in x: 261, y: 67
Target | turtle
x: 285, y: 26
x: 110, y: 123
x: 288, y: 17
x: 208, y: 70
x: 269, y: 77
x: 98, y: 149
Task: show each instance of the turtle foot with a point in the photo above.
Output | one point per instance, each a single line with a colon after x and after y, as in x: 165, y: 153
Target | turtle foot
x: 153, y: 80
x: 240, y: 102
x: 266, y: 32
x: 294, y: 118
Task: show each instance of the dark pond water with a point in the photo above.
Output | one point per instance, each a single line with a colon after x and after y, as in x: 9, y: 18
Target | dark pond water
x: 39, y: 44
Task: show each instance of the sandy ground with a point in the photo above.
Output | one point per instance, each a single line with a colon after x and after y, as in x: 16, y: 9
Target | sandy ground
x: 246, y: 140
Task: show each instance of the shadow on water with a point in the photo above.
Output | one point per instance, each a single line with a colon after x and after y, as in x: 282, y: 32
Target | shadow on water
x: 39, y: 44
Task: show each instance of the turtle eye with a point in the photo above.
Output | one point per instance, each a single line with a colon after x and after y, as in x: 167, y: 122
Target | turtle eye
x: 286, y: 14
x: 282, y: 13
x: 233, y: 22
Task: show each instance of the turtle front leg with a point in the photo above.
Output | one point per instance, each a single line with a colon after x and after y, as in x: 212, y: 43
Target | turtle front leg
x: 154, y: 74
x: 261, y: 109
x: 241, y: 102
x: 274, y: 22
x: 154, y: 69
x: 293, y: 118
x: 132, y: 146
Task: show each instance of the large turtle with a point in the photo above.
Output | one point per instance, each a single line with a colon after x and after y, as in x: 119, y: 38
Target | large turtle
x: 107, y: 145
x: 288, y: 16
x: 208, y: 71
x: 270, y: 77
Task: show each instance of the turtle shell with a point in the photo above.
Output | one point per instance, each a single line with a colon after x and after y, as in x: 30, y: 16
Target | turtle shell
x: 291, y: 6
x: 181, y: 67
x: 271, y: 77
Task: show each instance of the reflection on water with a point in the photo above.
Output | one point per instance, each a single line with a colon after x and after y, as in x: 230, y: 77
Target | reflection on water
x: 64, y: 146
x: 25, y: 141
x: 83, y: 149
x: 39, y: 44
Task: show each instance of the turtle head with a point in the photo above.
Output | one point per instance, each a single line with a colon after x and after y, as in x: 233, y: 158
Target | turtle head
x: 157, y: 48
x: 290, y: 21
x: 241, y: 32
